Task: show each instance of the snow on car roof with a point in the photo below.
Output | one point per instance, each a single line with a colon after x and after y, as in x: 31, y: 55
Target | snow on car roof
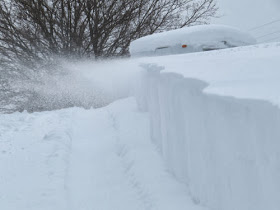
x: 194, y: 35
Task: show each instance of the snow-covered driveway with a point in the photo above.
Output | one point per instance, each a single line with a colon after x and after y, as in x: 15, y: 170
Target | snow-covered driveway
x: 79, y: 159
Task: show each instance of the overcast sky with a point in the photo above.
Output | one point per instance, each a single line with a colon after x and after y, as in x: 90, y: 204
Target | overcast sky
x: 249, y: 14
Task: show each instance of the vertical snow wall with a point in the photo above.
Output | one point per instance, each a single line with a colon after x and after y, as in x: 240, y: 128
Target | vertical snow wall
x: 226, y: 150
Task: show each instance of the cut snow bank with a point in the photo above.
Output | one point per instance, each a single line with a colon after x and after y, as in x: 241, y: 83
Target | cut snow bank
x: 226, y: 149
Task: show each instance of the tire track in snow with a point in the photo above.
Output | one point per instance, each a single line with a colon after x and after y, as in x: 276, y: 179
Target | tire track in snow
x: 115, y: 166
x: 122, y: 152
x: 96, y: 179
x: 142, y: 164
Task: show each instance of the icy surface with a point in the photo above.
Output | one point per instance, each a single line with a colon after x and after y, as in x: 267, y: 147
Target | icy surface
x: 79, y: 159
x: 197, y: 38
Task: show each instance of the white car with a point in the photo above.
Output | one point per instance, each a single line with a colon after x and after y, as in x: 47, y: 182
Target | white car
x: 190, y: 39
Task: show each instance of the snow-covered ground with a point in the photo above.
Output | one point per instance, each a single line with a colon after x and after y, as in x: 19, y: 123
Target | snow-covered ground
x: 77, y: 159
x: 207, y: 135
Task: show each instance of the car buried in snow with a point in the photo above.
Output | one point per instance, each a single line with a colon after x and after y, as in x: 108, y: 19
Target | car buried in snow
x: 190, y: 39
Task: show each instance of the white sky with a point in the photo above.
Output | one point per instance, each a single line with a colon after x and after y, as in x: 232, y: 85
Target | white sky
x: 248, y: 14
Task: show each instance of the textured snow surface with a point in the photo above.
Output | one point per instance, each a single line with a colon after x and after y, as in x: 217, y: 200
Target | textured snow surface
x: 195, y: 37
x: 79, y: 159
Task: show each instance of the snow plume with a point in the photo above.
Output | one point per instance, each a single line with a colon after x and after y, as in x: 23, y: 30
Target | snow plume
x: 68, y: 84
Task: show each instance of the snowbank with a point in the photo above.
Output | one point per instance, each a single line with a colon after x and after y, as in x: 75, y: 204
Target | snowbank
x: 195, y: 38
x: 226, y: 149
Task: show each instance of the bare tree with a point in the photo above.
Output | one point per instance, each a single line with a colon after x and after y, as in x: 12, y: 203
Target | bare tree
x: 34, y: 33
x: 38, y: 29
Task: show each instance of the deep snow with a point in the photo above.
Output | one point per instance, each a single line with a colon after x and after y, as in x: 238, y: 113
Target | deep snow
x: 211, y: 121
x: 225, y: 148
